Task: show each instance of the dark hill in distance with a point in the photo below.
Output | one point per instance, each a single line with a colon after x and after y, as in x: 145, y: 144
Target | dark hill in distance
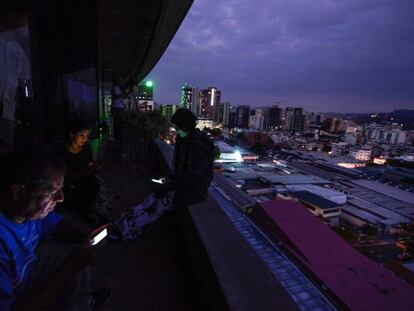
x: 403, y: 113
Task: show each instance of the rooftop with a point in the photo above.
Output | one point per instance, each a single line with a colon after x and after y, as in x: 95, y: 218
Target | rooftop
x: 315, y: 200
x: 294, y: 179
x: 327, y: 193
x: 351, y: 279
x: 332, y: 159
x: 381, y: 214
x: 386, y: 190
x: 379, y: 198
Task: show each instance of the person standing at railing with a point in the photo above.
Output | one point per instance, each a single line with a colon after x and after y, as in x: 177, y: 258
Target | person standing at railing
x: 116, y: 110
x: 193, y: 162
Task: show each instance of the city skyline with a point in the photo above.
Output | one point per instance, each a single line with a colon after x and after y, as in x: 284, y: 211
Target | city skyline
x: 323, y: 56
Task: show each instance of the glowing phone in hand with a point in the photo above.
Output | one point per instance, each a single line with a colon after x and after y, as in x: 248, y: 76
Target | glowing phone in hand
x: 99, y: 237
x: 158, y: 181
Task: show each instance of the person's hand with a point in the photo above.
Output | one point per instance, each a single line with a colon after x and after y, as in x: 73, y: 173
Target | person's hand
x: 84, y: 254
x: 93, y: 166
x: 90, y: 169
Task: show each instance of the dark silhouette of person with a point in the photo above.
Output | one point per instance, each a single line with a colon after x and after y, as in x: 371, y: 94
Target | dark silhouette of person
x: 193, y: 163
x: 117, y: 108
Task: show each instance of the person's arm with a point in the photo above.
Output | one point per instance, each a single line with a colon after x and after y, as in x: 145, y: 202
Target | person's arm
x: 45, y: 293
x: 197, y: 165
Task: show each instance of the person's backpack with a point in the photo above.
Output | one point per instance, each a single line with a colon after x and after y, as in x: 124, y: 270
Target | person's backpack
x: 195, y: 191
x: 210, y: 155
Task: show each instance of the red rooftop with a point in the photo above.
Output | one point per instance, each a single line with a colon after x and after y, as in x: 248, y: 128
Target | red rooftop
x: 351, y: 279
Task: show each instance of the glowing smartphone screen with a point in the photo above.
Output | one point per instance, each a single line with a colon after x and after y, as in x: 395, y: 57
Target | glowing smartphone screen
x: 158, y: 181
x: 99, y: 237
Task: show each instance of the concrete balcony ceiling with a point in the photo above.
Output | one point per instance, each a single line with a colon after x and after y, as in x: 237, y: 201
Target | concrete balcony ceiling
x: 133, y: 35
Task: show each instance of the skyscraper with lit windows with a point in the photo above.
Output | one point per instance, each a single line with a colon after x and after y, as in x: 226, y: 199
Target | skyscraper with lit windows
x: 210, y: 103
x: 190, y: 98
x: 295, y: 119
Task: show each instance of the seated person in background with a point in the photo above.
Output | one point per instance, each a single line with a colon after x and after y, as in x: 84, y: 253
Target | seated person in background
x: 193, y: 162
x: 81, y: 185
x: 36, y: 274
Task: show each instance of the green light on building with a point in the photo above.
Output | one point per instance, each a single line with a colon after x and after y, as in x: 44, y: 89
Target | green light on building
x: 149, y: 83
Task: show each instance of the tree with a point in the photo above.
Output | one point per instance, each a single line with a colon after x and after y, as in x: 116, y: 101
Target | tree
x: 139, y: 129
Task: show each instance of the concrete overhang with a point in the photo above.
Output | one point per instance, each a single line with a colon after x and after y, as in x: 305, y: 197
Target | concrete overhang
x: 133, y: 35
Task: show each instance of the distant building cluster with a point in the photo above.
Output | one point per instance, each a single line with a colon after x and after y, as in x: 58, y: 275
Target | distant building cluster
x: 293, y: 128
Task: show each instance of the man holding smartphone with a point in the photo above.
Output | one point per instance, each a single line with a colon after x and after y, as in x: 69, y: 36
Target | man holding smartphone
x: 193, y: 162
x: 37, y: 273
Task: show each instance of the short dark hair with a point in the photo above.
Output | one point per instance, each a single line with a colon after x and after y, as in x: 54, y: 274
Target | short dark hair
x: 31, y: 166
x: 74, y: 126
x: 184, y: 119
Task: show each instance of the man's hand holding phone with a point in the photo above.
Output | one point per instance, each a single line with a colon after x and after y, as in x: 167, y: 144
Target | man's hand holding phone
x: 97, y: 235
x: 85, y: 253
x: 161, y: 187
x: 158, y: 181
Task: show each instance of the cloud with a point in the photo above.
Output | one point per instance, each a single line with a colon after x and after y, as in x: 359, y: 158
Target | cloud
x: 257, y: 50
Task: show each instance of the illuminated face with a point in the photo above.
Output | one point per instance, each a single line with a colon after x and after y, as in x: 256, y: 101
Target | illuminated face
x: 80, y: 138
x: 41, y: 202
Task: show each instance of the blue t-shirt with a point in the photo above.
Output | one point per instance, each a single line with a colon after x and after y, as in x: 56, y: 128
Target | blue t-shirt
x: 18, y: 243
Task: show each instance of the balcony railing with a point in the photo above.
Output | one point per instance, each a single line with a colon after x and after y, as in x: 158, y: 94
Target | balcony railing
x: 235, y: 263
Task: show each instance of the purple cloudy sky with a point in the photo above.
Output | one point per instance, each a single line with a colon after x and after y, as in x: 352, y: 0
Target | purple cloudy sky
x: 324, y: 55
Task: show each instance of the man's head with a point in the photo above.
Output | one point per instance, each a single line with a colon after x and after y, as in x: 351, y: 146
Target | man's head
x: 31, y: 182
x: 185, y: 121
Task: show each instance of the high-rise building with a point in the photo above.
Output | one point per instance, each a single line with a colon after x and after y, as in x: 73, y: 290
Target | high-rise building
x: 256, y: 121
x: 316, y: 117
x: 295, y: 119
x: 275, y: 118
x: 205, y: 109
x: 168, y: 110
x: 215, y: 96
x: 395, y: 137
x: 265, y: 114
x: 333, y: 125
x: 223, y: 116
x: 190, y: 98
x: 242, y: 116
x: 210, y: 103
x: 232, y: 117
x: 186, y: 96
